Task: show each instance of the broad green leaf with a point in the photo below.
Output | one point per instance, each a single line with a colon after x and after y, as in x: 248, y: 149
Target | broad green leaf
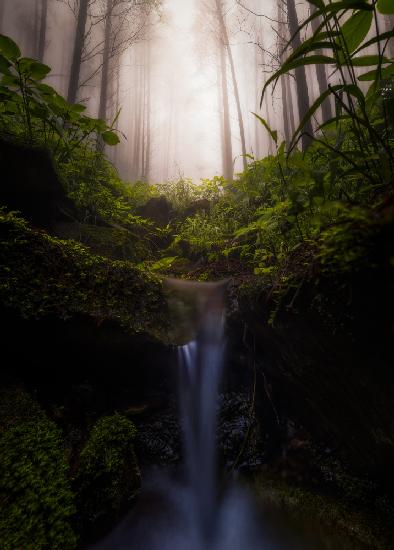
x: 8, y: 48
x: 356, y: 29
x: 46, y: 90
x: 366, y: 60
x: 317, y: 42
x: 349, y: 88
x: 110, y: 138
x: 330, y: 10
x: 78, y: 108
x: 386, y: 7
x: 4, y: 65
x: 287, y: 67
x: 388, y: 72
x: 272, y: 133
x: 334, y: 120
x: 30, y: 68
x: 10, y: 80
x: 375, y: 40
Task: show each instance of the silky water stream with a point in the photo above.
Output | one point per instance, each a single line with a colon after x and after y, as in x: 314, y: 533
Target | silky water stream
x: 198, y: 510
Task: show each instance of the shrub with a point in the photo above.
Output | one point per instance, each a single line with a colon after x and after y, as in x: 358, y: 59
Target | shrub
x: 108, y: 475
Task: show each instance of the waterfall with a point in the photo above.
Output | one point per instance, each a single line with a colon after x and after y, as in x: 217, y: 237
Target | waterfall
x: 191, y: 513
x: 200, y: 367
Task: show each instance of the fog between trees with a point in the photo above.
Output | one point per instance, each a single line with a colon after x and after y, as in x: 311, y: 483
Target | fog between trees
x: 180, y: 79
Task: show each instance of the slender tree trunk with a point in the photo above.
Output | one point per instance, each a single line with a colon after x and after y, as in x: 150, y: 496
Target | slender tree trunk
x: 389, y: 23
x: 148, y: 116
x: 43, y: 29
x: 138, y: 121
x: 220, y: 110
x: 257, y: 125
x: 285, y: 100
x: 2, y: 10
x: 226, y: 42
x: 227, y: 152
x: 117, y: 104
x: 36, y: 31
x: 300, y: 76
x: 290, y: 105
x: 102, y: 112
x: 267, y: 107
x: 143, y: 122
x: 77, y: 52
x: 321, y: 76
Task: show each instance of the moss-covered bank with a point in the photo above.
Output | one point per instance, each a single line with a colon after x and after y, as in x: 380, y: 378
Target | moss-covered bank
x: 41, y: 275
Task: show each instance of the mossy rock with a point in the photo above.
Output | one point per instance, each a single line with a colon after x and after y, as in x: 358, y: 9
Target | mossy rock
x: 42, y: 276
x: 108, y: 476
x: 36, y: 501
x: 117, y: 243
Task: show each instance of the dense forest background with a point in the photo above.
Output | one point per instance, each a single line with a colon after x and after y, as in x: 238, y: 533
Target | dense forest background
x: 156, y: 65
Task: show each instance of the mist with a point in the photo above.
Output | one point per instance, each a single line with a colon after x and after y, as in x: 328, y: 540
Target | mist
x: 178, y: 109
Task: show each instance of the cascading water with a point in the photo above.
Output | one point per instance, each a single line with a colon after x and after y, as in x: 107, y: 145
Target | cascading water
x: 193, y: 514
x: 200, y: 366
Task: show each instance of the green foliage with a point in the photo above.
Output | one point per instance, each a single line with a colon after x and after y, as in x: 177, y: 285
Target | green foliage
x: 36, y: 502
x: 42, y: 275
x: 35, y: 111
x: 108, y: 475
x: 182, y: 192
x: 364, y: 120
x: 319, y: 205
x: 386, y: 7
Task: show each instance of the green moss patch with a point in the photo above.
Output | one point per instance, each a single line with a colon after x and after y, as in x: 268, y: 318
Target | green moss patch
x: 41, y: 275
x: 108, y: 475
x: 36, y: 502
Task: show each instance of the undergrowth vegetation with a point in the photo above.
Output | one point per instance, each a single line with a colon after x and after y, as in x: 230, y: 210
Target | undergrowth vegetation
x: 36, y: 501
x: 319, y: 200
x: 41, y: 275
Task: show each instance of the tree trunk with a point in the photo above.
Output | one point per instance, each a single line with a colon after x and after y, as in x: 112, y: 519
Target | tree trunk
x: 283, y: 83
x: 77, y: 52
x: 143, y: 122
x: 227, y: 152
x: 257, y: 91
x: 322, y: 76
x: 138, y: 120
x: 36, y: 31
x: 300, y: 76
x: 148, y: 117
x: 2, y: 10
x: 226, y: 43
x: 290, y: 105
x: 43, y: 29
x: 389, y: 23
x: 117, y: 105
x: 102, y: 112
x: 267, y: 108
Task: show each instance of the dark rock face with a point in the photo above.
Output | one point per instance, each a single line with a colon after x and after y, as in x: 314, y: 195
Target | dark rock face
x: 327, y: 365
x: 157, y: 209
x: 29, y: 184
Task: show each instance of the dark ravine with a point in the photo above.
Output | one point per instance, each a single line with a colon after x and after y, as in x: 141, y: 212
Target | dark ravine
x: 308, y: 380
x: 307, y: 402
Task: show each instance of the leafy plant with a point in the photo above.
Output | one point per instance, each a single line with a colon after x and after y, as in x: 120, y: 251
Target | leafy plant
x: 108, y: 475
x: 35, y: 111
x: 365, y: 118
